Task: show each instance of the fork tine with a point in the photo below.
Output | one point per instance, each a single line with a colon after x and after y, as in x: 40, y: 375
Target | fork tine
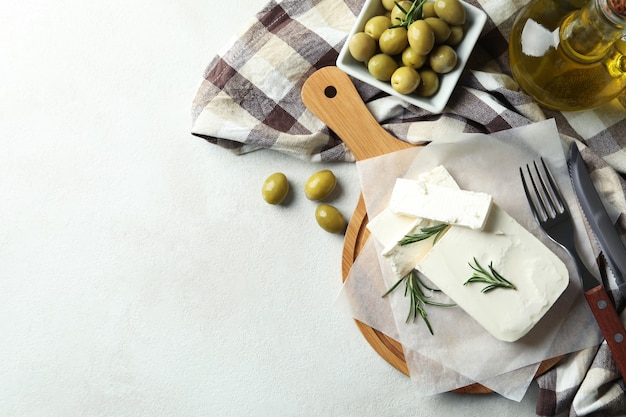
x: 546, y: 214
x: 546, y: 202
x: 531, y: 202
x: 556, y: 193
x: 547, y: 194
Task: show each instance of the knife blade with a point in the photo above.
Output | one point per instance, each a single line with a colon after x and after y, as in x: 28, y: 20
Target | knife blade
x: 598, y: 218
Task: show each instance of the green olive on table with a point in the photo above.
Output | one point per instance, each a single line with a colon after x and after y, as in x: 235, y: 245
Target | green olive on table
x: 362, y: 46
x: 320, y: 185
x: 405, y: 80
x: 443, y: 59
x: 275, y: 188
x: 376, y: 25
x: 330, y: 219
x: 452, y: 11
x: 382, y: 66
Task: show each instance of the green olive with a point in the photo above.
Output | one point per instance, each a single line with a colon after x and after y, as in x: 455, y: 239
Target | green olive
x: 421, y: 37
x: 330, y: 219
x: 451, y: 11
x: 320, y: 185
x: 429, y: 84
x: 440, y: 28
x: 381, y: 66
x: 362, y: 46
x: 442, y: 59
x: 397, y: 15
x: 428, y: 10
x: 405, y: 80
x: 393, y: 41
x: 376, y: 26
x: 456, y: 35
x: 412, y: 59
x: 388, y: 4
x: 275, y: 188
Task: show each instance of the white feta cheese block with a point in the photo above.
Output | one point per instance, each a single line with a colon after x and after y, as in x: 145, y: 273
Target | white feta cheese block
x: 388, y: 228
x: 440, y: 203
x: 539, y: 275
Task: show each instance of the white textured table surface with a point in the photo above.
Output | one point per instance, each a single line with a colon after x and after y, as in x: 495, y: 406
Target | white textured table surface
x: 141, y: 273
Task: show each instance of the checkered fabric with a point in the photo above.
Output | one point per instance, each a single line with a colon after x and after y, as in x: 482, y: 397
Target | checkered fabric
x: 249, y: 99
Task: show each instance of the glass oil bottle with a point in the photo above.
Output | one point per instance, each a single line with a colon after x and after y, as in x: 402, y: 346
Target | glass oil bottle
x: 568, y: 55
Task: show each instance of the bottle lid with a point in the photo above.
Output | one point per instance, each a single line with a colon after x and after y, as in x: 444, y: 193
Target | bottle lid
x: 618, y: 7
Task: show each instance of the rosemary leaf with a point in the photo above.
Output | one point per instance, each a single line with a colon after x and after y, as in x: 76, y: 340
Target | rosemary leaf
x: 414, y: 288
x: 424, y: 234
x: 414, y: 13
x: 491, y: 277
x: 394, y: 286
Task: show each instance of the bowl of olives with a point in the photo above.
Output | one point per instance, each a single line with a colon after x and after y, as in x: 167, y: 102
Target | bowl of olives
x: 412, y: 49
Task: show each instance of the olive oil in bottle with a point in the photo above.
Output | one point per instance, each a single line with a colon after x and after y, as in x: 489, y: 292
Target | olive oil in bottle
x: 568, y: 58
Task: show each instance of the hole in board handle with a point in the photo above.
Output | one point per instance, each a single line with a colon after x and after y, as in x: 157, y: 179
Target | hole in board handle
x: 330, y: 91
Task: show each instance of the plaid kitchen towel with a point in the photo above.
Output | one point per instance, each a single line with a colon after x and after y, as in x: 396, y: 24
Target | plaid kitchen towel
x: 249, y: 99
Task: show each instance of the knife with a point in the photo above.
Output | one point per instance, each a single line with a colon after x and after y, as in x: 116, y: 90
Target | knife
x: 598, y: 218
x: 601, y: 305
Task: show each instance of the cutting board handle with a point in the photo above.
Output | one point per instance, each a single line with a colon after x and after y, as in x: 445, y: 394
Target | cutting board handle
x: 331, y: 96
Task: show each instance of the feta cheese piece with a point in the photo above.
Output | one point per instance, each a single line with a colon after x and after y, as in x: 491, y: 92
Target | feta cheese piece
x: 388, y: 228
x: 440, y: 203
x: 538, y: 274
x: 404, y: 258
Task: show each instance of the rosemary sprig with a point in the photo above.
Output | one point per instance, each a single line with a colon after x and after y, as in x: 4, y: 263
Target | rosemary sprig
x: 414, y: 13
x: 424, y: 234
x: 414, y: 287
x: 491, y: 277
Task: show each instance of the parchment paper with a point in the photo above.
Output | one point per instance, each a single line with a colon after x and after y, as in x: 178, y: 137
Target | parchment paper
x: 461, y: 351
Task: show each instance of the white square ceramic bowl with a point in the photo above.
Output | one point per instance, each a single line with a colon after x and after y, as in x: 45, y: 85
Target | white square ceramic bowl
x: 474, y: 22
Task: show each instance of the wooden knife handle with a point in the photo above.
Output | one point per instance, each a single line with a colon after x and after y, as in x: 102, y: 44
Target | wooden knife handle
x: 610, y: 325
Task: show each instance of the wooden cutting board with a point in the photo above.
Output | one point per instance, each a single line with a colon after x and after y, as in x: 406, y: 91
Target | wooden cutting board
x: 332, y: 97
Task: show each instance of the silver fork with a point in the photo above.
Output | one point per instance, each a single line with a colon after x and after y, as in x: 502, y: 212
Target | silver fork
x: 551, y: 212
